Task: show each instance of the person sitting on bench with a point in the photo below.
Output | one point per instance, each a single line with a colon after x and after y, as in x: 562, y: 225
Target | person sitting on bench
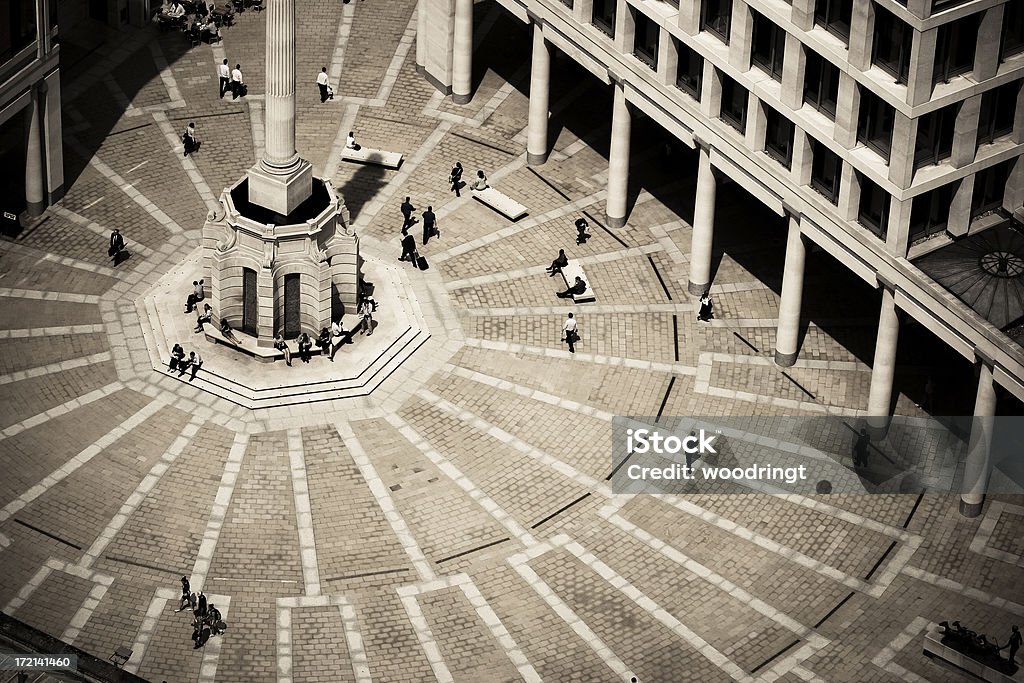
x: 576, y: 289
x: 350, y: 141
x: 480, y: 183
x: 561, y: 262
x: 225, y: 330
x: 204, y: 317
x: 281, y: 345
x: 305, y: 344
x: 323, y: 342
x: 177, y: 357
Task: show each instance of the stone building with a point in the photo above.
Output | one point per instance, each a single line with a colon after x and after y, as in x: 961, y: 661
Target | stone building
x: 31, y: 156
x: 889, y: 132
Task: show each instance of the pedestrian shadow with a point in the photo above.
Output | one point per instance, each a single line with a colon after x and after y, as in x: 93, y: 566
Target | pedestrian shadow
x: 362, y: 187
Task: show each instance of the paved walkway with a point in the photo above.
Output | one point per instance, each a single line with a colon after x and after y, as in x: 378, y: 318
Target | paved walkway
x: 458, y: 524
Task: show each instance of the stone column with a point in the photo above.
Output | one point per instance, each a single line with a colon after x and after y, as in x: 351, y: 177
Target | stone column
x: 977, y: 468
x: 462, y: 58
x: 884, y: 366
x: 421, y: 35
x: 703, y: 223
x: 618, y: 158
x: 540, y: 86
x: 281, y: 180
x: 788, y: 335
x: 35, y: 182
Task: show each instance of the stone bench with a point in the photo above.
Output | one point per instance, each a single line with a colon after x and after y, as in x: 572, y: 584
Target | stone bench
x: 569, y: 274
x: 934, y: 647
x: 350, y: 322
x: 501, y: 203
x: 366, y: 155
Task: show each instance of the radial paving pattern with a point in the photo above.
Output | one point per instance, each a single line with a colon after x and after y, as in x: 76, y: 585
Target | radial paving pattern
x: 457, y: 524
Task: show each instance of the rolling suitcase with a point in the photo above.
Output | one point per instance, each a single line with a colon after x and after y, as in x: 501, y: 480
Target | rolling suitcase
x: 421, y: 263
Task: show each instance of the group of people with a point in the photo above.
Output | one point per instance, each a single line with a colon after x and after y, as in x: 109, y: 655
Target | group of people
x: 231, y: 80
x: 455, y: 180
x: 182, y: 363
x: 206, y: 618
x: 330, y: 339
x: 196, y: 19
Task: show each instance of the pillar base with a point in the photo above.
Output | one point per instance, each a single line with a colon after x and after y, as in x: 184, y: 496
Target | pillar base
x: 34, y: 209
x: 695, y: 288
x: 612, y: 222
x: 536, y: 159
x: 877, y: 427
x: 785, y: 360
x: 421, y: 70
x: 443, y: 88
x: 461, y: 99
x: 970, y: 510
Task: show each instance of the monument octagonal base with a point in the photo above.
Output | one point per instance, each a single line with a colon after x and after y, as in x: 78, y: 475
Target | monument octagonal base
x: 240, y: 376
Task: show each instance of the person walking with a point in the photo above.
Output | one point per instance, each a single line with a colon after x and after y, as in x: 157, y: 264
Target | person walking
x: 569, y: 332
x: 337, y: 337
x: 456, y: 178
x: 201, y: 607
x: 116, y: 246
x: 189, y: 139
x: 1013, y: 643
x: 281, y: 345
x: 186, y: 591
x: 860, y: 449
x: 408, y: 247
x: 581, y: 230
x: 429, y: 223
x: 304, y: 347
x: 237, y: 82
x: 324, y: 85
x: 407, y: 219
x: 224, y: 73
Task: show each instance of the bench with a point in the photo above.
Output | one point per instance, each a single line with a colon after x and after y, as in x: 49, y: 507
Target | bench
x: 569, y: 274
x: 501, y: 203
x: 366, y: 155
x: 350, y: 322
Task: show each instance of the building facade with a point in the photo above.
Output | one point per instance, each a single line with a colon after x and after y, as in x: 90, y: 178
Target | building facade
x: 883, y: 130
x: 30, y: 117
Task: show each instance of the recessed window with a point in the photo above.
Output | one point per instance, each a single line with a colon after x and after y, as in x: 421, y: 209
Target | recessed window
x: 690, y: 70
x: 1013, y: 30
x: 604, y: 16
x: 989, y: 186
x: 875, y: 123
x: 674, y: 3
x: 891, y: 48
x: 645, y: 39
x: 19, y: 22
x: 929, y: 212
x: 997, y: 111
x: 716, y: 17
x: 954, y: 48
x: 826, y: 170
x: 873, y: 212
x: 567, y: 3
x: 935, y: 136
x: 778, y: 137
x: 734, y: 104
x: 821, y: 84
x: 834, y: 16
x: 769, y: 46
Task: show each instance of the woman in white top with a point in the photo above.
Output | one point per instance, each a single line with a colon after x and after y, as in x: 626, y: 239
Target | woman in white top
x: 481, y: 181
x: 350, y: 141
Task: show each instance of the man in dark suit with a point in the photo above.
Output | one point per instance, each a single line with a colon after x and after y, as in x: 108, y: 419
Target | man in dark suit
x: 429, y: 223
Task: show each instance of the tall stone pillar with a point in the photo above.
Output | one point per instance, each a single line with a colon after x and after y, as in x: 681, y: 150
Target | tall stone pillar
x: 978, y: 467
x: 462, y: 57
x: 883, y: 368
x: 792, y: 294
x: 540, y: 86
x: 703, y: 232
x: 421, y: 35
x: 281, y: 180
x: 618, y: 158
x: 35, y: 182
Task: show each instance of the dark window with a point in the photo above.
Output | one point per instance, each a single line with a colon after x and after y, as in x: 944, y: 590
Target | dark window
x: 17, y: 26
x: 604, y: 16
x: 834, y: 15
x: 734, y: 104
x: 935, y: 136
x: 997, y: 110
x: 716, y: 17
x: 645, y: 40
x: 929, y: 212
x: 826, y: 170
x: 954, y: 48
x: 689, y: 71
x: 769, y: 46
x: 567, y: 3
x: 821, y: 84
x: 989, y: 186
x: 874, y: 207
x: 891, y: 49
x: 945, y: 4
x: 778, y: 137
x: 674, y: 3
x: 874, y: 125
x: 1013, y: 29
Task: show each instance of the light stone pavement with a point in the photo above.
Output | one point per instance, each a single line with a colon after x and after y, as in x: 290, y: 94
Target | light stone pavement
x: 457, y: 524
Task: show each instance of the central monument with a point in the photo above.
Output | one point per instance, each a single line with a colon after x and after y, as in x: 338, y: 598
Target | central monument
x: 282, y: 257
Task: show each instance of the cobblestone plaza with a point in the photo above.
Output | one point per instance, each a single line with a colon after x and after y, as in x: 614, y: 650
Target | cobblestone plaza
x: 452, y: 518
